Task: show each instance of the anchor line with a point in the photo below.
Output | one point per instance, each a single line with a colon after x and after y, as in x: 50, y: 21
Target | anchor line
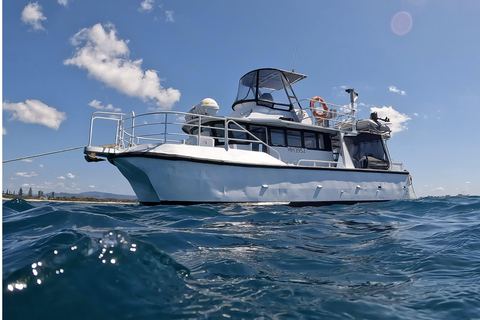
x: 42, y: 154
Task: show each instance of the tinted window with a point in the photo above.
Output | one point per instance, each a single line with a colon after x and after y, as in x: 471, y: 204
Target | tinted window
x: 237, y: 132
x: 294, y: 138
x: 277, y: 137
x: 310, y: 140
x: 321, y: 142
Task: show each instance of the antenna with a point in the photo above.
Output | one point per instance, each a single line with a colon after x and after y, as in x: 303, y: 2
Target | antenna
x: 294, y: 57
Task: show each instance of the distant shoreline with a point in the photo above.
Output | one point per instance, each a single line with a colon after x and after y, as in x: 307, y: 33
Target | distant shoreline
x: 73, y: 200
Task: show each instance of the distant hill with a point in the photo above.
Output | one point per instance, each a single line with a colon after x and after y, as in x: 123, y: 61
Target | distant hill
x: 96, y: 194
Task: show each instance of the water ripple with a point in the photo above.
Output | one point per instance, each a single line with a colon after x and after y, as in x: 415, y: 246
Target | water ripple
x: 416, y: 259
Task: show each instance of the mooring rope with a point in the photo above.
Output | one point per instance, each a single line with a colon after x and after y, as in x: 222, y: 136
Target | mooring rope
x: 42, y: 154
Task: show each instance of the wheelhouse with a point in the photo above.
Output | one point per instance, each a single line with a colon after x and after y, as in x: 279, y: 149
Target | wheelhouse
x: 270, y: 88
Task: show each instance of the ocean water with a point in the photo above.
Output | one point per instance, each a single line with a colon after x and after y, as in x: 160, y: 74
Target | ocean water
x: 416, y: 259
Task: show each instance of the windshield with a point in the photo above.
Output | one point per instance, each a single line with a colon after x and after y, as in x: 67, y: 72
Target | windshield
x: 247, y: 87
x: 266, y: 87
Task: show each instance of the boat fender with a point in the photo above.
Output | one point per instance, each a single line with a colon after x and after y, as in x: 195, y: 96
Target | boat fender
x: 321, y: 114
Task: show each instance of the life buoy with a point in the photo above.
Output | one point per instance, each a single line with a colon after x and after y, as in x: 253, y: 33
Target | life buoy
x: 321, y: 114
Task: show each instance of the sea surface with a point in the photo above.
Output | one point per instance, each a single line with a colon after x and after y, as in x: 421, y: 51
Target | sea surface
x: 416, y: 259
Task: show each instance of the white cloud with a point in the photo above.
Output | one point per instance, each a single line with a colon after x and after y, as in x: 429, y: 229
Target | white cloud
x: 416, y: 114
x: 32, y: 15
x: 146, y: 5
x: 41, y: 166
x: 398, y: 121
x: 4, y: 131
x: 63, y: 2
x: 61, y: 178
x: 70, y: 175
x: 27, y: 160
x: 91, y: 186
x: 34, y: 111
x: 106, y: 58
x: 439, y: 189
x: 26, y: 174
x: 98, y: 105
x: 169, y: 16
x: 394, y: 89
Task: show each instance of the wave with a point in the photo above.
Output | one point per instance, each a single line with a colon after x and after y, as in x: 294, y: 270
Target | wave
x: 398, y: 259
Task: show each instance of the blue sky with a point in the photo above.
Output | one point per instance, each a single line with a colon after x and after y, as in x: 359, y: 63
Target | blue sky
x: 417, y: 61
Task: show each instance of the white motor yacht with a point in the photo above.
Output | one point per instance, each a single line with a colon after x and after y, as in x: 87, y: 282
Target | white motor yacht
x: 272, y: 149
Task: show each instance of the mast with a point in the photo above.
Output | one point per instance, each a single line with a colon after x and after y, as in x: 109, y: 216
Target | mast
x: 353, y: 97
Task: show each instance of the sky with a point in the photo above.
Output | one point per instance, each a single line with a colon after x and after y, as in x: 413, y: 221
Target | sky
x: 415, y: 61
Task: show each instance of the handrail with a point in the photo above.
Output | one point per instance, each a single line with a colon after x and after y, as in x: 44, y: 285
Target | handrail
x: 330, y: 163
x: 335, y: 116
x: 128, y: 136
x: 120, y: 119
x: 396, y: 166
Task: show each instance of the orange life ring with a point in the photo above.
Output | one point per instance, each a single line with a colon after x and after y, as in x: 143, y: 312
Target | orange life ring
x: 322, y: 114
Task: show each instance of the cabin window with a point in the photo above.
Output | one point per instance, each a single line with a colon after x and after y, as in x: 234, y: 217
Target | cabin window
x: 294, y: 138
x: 321, y: 142
x: 367, y: 151
x: 260, y: 133
x: 219, y: 132
x: 277, y: 137
x: 310, y: 140
x: 237, y: 132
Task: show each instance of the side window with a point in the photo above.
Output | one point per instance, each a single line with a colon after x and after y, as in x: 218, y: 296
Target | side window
x: 260, y: 133
x: 310, y: 140
x: 277, y: 137
x: 237, y: 132
x: 321, y: 141
x: 294, y: 138
x: 219, y: 133
x: 324, y: 141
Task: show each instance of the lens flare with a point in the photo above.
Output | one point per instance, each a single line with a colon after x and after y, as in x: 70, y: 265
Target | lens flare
x: 401, y: 23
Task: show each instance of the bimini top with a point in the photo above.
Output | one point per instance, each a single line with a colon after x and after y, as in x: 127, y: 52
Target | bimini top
x: 268, y: 87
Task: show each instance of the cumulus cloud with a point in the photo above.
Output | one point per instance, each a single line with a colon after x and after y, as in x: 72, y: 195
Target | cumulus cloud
x: 32, y: 15
x: 394, y: 89
x: 63, y: 2
x: 61, y: 178
x: 91, y: 186
x: 98, y: 105
x: 106, y: 58
x: 146, y: 5
x: 438, y: 189
x: 26, y: 174
x: 169, y: 16
x: 398, y: 121
x: 34, y: 111
x: 71, y: 175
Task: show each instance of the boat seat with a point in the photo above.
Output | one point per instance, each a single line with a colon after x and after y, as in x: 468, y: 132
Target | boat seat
x: 266, y: 96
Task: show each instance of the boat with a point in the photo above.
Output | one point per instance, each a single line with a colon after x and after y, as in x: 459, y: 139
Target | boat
x: 272, y: 149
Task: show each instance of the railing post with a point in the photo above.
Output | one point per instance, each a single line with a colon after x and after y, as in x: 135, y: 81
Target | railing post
x: 166, y: 128
x: 226, y: 134
x: 91, y: 130
x: 132, y: 138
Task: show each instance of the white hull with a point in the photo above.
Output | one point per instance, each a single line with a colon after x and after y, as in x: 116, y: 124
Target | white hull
x: 268, y: 150
x: 156, y: 180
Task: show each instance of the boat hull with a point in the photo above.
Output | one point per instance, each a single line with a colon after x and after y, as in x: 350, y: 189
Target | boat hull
x: 163, y: 179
